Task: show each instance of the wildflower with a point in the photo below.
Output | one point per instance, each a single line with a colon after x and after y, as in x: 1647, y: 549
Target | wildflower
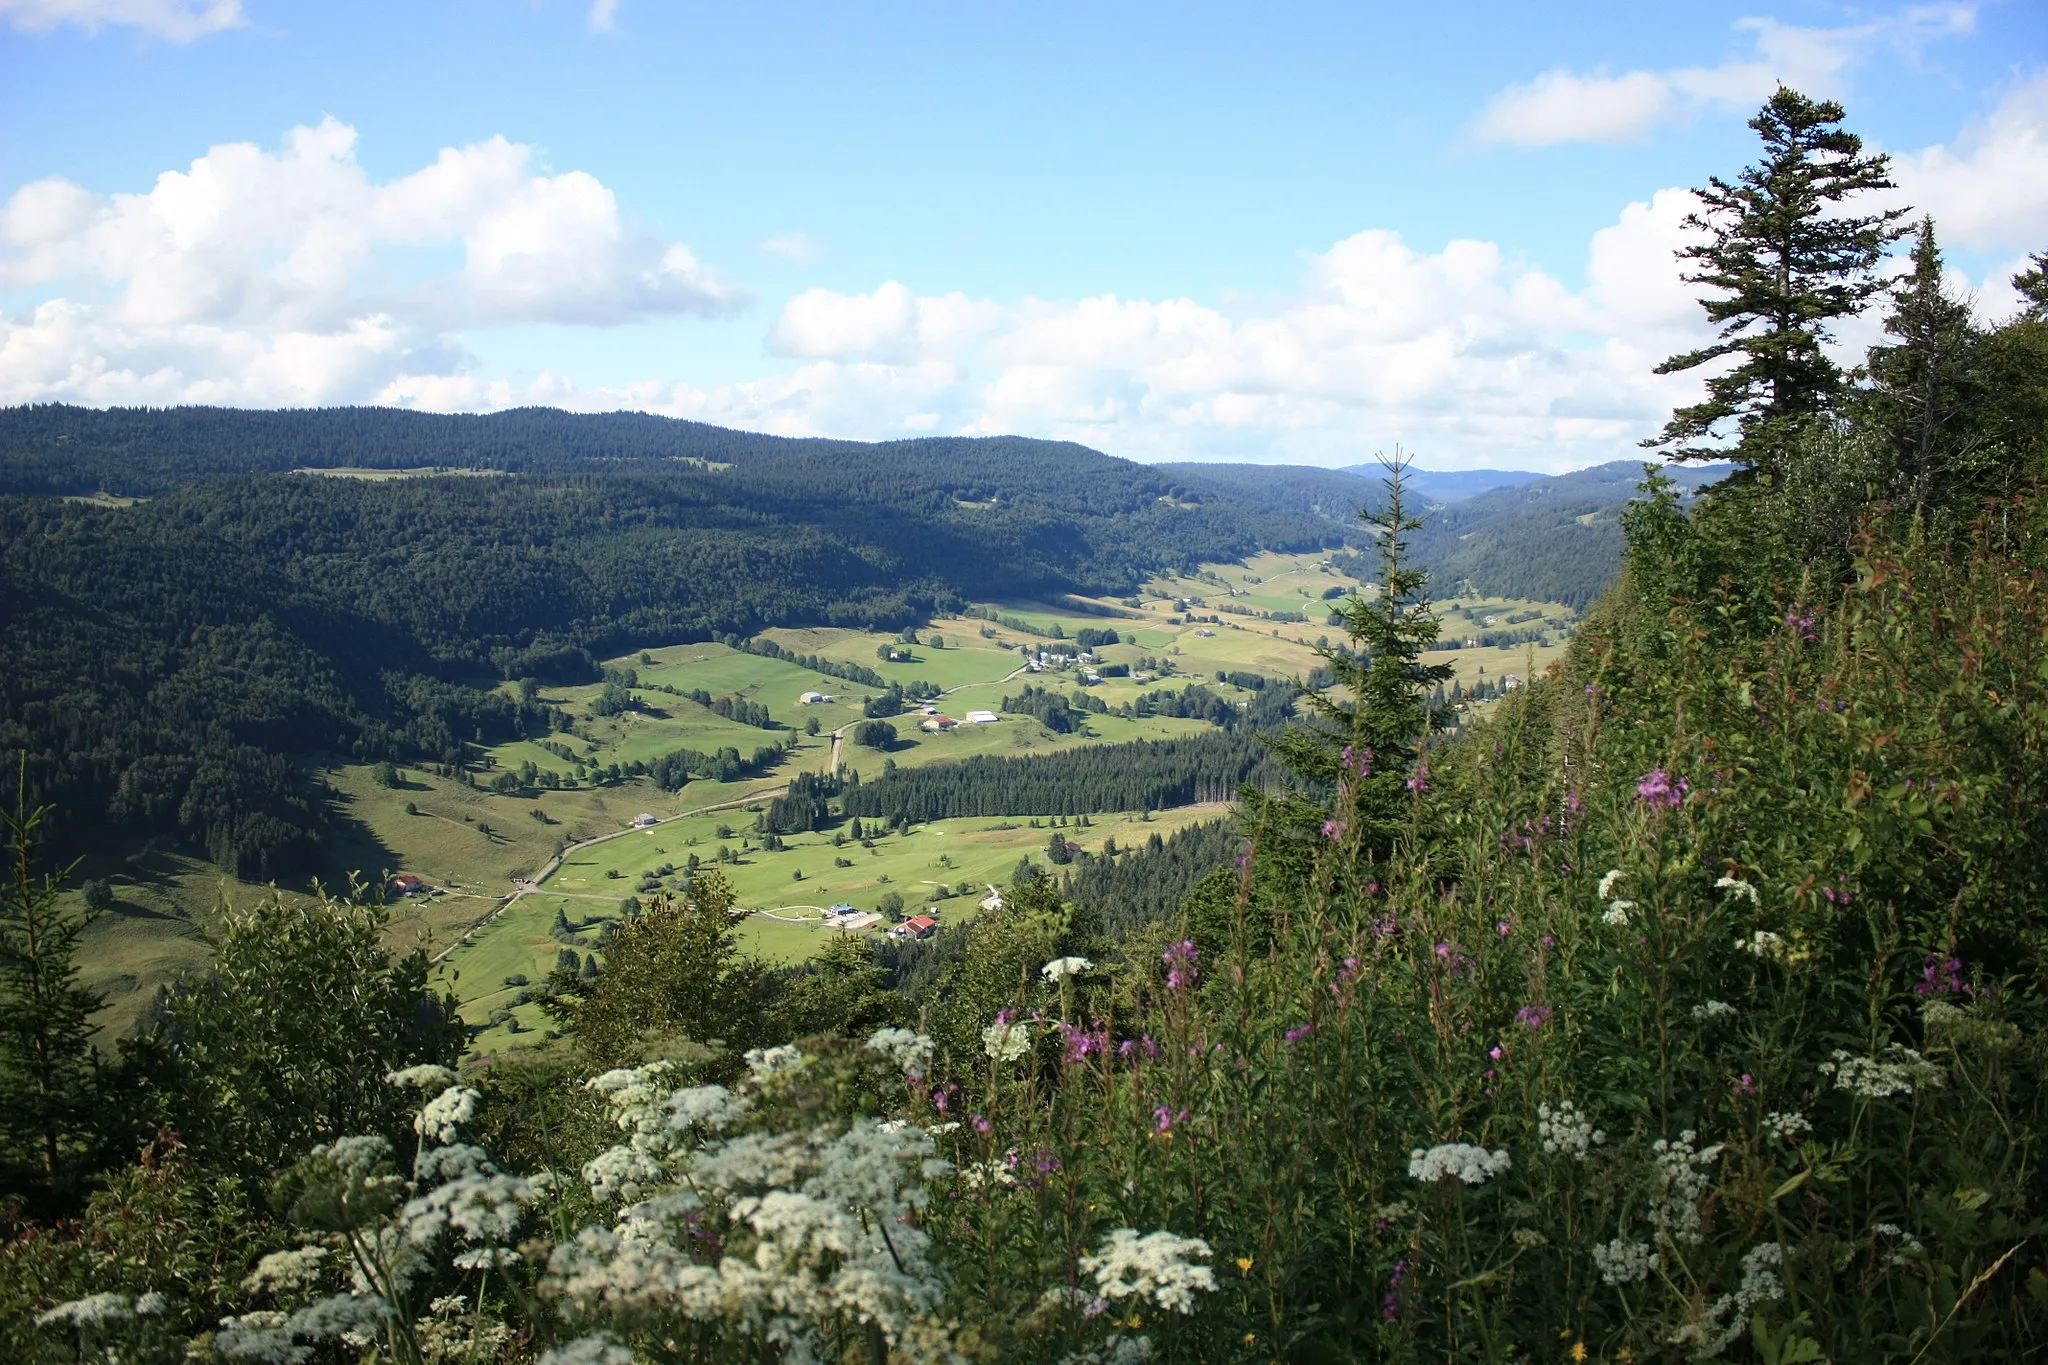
x: 1244, y: 1265
x: 1578, y: 1350
x: 1390, y: 1302
x: 1659, y: 788
x: 1716, y: 1329
x: 1739, y: 887
x: 1681, y: 1179
x: 1165, y: 1116
x: 1714, y: 1009
x: 1909, y: 1247
x: 1763, y: 943
x: 1567, y: 1130
x: 1419, y: 781
x: 593, y: 1350
x: 1299, y: 1032
x: 981, y: 1124
x: 1503, y: 928
x: 1871, y: 1078
x: 1529, y: 1238
x: 1624, y: 1262
x: 1617, y: 914
x: 908, y: 1049
x: 1335, y: 829
x: 1939, y: 976
x: 1158, y: 1266
x: 445, y: 1113
x: 282, y: 1270
x: 1060, y: 968
x: 1471, y: 1165
x: 763, y: 1062
x: 1787, y: 1125
x: 1359, y: 761
x: 1006, y: 1042
x: 93, y: 1310
x: 1180, y: 964
x: 426, y: 1077
x: 150, y: 1304
x: 1533, y: 1017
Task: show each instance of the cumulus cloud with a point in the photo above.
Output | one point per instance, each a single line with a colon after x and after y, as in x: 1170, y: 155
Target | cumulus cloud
x: 180, y: 21
x: 1561, y: 106
x: 1989, y: 189
x: 603, y: 16
x: 290, y: 273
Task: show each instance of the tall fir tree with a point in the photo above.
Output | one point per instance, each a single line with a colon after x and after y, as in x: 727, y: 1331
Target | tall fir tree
x: 48, y: 1071
x: 1359, y: 750
x: 1785, y: 262
x: 1926, y: 388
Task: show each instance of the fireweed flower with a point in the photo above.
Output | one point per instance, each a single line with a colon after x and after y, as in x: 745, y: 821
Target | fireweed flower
x: 1533, y: 1017
x: 1335, y: 829
x: 1939, y: 976
x: 1358, y: 760
x: 1418, y: 782
x: 1659, y: 788
x: 1180, y: 965
x: 1165, y: 1116
x: 1299, y: 1032
x: 1471, y: 1165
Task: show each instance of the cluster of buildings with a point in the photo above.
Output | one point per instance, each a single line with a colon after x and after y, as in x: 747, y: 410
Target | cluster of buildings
x: 1046, y: 659
x: 815, y: 699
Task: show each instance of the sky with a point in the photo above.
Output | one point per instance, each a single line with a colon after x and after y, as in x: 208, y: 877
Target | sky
x: 1283, y: 233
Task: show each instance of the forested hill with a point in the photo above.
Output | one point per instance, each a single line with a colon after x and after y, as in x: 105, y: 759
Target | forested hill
x: 1502, y: 532
x: 166, y: 658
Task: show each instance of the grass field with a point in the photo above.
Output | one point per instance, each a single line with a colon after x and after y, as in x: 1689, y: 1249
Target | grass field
x: 962, y: 857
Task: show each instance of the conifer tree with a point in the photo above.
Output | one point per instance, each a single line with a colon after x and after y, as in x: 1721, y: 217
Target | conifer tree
x: 47, y: 1067
x: 1925, y: 389
x: 1367, y: 743
x: 1785, y: 263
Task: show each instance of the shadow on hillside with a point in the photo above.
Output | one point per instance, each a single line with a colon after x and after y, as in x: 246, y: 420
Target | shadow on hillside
x: 356, y: 849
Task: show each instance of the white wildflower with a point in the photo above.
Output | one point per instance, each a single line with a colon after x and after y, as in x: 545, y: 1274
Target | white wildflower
x: 150, y: 1304
x: 764, y: 1062
x: 1786, y: 1125
x: 1909, y: 1247
x: 1472, y: 1165
x: 597, y: 1350
x: 1762, y: 943
x: 982, y: 1174
x: 1617, y: 914
x: 1716, y: 1329
x: 1158, y: 1266
x: 1118, y: 1350
x: 286, y: 1270
x: 444, y: 1115
x: 1624, y: 1262
x: 908, y: 1048
x: 471, y: 1196
x: 1738, y: 887
x: 1614, y: 874
x: 1567, y: 1130
x: 448, y: 1306
x: 94, y: 1310
x: 1899, y: 1072
x: 1062, y: 967
x: 426, y: 1077
x: 1529, y: 1238
x: 260, y: 1336
x: 1681, y: 1177
x: 358, y: 1155
x: 1006, y: 1042
x: 1713, y: 1010
x: 702, y: 1108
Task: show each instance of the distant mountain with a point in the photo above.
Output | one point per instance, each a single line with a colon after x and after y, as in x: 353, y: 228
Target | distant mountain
x: 1452, y: 485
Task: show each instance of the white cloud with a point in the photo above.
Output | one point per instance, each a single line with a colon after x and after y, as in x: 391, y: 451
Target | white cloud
x: 290, y: 273
x: 180, y: 21
x: 1561, y: 106
x: 791, y: 246
x: 603, y: 16
x: 890, y: 322
x: 1989, y: 189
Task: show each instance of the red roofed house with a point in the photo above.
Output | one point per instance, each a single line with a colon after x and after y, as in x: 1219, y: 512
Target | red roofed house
x: 917, y: 926
x: 406, y: 884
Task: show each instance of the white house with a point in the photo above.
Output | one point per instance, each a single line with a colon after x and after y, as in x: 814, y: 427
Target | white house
x: 645, y: 821
x: 993, y: 900
x: 982, y: 718
x: 810, y: 699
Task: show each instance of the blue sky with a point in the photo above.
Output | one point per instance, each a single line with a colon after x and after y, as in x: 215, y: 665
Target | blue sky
x: 1283, y: 232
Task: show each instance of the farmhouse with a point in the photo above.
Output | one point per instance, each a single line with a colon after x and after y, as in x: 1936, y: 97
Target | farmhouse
x: 935, y: 724
x: 1205, y: 632
x: 406, y: 884
x: 814, y: 698
x: 917, y: 926
x: 644, y: 820
x: 982, y: 718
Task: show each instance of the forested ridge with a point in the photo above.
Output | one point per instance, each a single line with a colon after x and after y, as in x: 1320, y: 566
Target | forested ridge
x: 174, y: 659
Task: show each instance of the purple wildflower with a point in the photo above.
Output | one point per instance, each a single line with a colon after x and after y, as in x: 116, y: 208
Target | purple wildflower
x: 1390, y: 1302
x: 1165, y: 1116
x: 1659, y: 788
x: 1180, y: 964
x: 1299, y: 1032
x: 1335, y: 829
x: 1358, y: 760
x: 1418, y: 782
x: 1940, y: 976
x: 982, y: 1125
x: 1533, y: 1017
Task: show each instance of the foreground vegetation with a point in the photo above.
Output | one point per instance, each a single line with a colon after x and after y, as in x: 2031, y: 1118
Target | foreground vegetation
x: 1688, y: 1006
